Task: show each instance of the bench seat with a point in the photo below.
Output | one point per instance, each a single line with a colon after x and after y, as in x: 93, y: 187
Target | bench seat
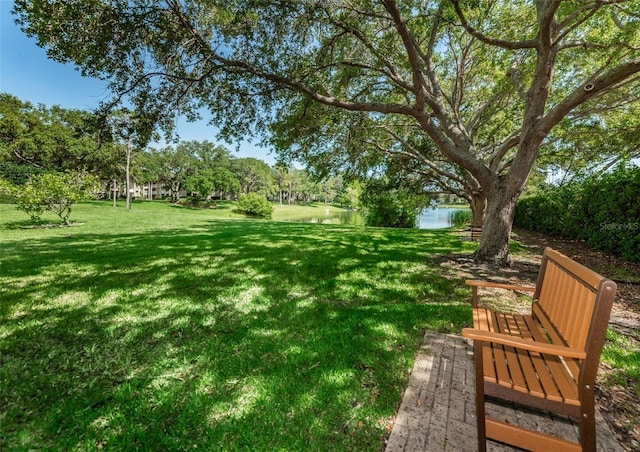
x: 542, y: 375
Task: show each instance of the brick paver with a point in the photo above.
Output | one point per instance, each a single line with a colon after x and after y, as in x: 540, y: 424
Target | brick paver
x: 438, y: 408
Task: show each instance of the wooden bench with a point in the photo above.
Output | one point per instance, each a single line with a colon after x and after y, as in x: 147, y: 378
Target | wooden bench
x: 547, y: 360
x: 476, y: 232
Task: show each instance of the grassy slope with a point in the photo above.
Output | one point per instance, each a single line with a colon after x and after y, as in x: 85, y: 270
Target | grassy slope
x: 174, y: 328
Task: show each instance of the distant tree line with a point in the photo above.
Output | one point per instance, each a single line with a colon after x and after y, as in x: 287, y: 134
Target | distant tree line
x: 35, y: 139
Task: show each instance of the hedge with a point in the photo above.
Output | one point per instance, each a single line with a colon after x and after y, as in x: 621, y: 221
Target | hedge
x: 603, y: 211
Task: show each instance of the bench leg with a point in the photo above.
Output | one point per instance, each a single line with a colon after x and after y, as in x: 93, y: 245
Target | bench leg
x: 480, y: 411
x: 588, y: 426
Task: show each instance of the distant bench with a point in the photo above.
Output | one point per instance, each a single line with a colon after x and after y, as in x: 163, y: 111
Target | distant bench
x: 547, y: 360
x: 476, y: 232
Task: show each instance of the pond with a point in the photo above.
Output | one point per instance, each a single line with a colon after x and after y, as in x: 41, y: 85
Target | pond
x: 349, y: 217
x: 437, y: 218
x: 428, y: 219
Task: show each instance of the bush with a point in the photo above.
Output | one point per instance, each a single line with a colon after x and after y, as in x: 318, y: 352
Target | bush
x: 54, y: 192
x: 603, y: 211
x: 391, y: 209
x: 255, y: 205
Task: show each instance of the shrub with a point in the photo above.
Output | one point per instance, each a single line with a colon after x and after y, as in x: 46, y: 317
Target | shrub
x: 54, y: 192
x: 391, y: 209
x: 603, y: 211
x: 255, y: 205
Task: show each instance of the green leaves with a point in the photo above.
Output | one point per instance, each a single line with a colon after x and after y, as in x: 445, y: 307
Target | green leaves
x: 54, y: 192
x: 202, y: 184
x: 255, y: 205
x: 48, y: 139
x: 485, y: 81
x: 603, y: 211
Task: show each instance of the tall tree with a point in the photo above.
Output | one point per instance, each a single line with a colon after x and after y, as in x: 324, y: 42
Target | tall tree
x: 255, y: 176
x: 486, y: 81
x: 225, y: 181
x: 123, y: 128
x: 150, y: 165
x: 176, y: 166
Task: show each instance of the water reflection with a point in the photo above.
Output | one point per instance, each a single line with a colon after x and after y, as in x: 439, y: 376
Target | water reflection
x: 437, y: 218
x: 347, y: 217
x: 428, y: 219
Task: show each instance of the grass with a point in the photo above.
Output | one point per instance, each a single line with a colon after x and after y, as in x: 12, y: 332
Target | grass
x: 622, y: 353
x: 286, y: 211
x: 171, y: 328
x: 621, y: 382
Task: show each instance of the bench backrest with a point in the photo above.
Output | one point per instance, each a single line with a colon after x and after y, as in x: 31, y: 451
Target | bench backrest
x: 573, y: 303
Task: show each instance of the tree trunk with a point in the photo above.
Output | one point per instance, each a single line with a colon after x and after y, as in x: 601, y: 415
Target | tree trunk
x: 128, y: 174
x: 494, y: 244
x: 478, y: 205
x: 115, y: 192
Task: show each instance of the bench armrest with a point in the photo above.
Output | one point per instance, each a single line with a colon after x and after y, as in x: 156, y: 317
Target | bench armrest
x: 523, y: 344
x: 477, y: 283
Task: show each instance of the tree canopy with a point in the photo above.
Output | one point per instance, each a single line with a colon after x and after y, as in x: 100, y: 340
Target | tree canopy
x: 49, y: 138
x: 485, y: 82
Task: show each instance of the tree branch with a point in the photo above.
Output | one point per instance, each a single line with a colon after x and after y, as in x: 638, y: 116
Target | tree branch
x: 295, y: 85
x: 412, y: 53
x: 509, y: 45
x: 595, y: 87
x: 419, y: 156
x: 392, y: 72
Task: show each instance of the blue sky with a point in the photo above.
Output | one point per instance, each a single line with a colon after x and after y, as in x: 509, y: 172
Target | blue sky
x: 27, y: 73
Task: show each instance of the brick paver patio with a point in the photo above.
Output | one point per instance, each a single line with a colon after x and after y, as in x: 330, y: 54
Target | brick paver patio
x: 438, y: 408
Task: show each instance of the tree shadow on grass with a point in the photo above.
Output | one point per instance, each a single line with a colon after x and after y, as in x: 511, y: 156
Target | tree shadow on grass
x: 230, y: 335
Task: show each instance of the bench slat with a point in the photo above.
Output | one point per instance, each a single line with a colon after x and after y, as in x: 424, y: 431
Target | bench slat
x: 568, y: 290
x: 527, y: 439
x: 480, y: 318
x: 517, y: 379
x: 499, y: 355
x: 552, y: 372
x: 568, y: 323
x: 585, y: 313
x: 526, y: 361
x: 550, y: 330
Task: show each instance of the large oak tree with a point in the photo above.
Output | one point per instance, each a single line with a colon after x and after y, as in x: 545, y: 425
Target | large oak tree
x: 486, y: 81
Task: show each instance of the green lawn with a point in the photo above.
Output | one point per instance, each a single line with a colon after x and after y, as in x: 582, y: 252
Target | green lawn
x: 293, y: 211
x: 168, y: 328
